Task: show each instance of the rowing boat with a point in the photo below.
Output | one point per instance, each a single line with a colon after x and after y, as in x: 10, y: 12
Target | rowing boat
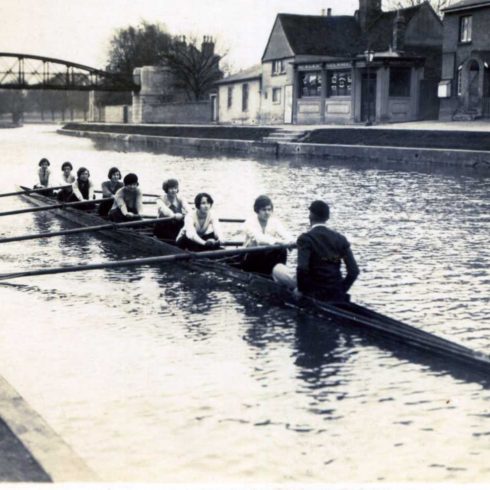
x: 350, y: 314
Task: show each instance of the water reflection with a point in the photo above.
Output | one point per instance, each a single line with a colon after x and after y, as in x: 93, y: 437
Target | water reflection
x: 220, y: 384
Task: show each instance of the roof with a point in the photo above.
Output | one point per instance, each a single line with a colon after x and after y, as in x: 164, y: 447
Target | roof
x: 321, y: 35
x: 381, y: 30
x: 466, y: 5
x: 252, y: 73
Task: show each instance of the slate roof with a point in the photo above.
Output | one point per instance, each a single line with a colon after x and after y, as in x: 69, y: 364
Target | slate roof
x: 466, y: 4
x: 321, y: 35
x: 252, y: 73
x: 380, y: 32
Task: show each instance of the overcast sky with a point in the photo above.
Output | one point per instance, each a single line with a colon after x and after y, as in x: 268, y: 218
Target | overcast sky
x: 80, y: 30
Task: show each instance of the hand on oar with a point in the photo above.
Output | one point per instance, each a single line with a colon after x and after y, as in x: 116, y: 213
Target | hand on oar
x: 85, y: 229
x: 221, y: 220
x: 212, y: 254
x: 39, y: 190
x: 53, y: 206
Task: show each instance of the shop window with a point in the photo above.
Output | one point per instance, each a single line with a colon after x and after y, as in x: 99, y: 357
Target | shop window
x: 245, y: 97
x: 230, y: 97
x: 400, y: 81
x: 465, y: 29
x: 310, y: 84
x: 278, y: 67
x: 339, y: 83
x: 276, y: 95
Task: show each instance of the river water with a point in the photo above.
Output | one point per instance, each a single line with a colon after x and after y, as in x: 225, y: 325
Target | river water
x: 159, y: 374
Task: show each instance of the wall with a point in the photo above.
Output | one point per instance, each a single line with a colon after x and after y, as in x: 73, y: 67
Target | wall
x: 234, y: 114
x: 273, y: 112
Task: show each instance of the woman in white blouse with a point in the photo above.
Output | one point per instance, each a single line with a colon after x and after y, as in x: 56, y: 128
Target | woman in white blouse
x: 201, y: 229
x: 264, y: 229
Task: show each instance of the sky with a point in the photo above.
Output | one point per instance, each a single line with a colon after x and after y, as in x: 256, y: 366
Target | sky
x: 80, y: 30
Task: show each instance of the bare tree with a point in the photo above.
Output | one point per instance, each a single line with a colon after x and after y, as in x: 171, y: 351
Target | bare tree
x: 437, y: 5
x: 194, y: 68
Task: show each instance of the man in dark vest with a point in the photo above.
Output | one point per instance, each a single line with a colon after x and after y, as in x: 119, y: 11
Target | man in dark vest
x: 321, y: 252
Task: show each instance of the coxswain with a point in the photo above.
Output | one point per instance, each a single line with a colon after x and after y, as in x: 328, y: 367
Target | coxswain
x: 128, y: 204
x: 109, y: 189
x: 264, y: 229
x: 321, y: 251
x: 201, y: 229
x: 170, y: 205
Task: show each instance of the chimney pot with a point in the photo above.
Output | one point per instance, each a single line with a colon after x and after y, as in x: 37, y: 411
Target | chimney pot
x: 329, y: 12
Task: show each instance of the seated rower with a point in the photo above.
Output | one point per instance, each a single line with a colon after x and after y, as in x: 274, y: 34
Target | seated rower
x: 44, y: 176
x: 67, y: 178
x: 264, y: 229
x: 109, y: 189
x: 83, y: 189
x: 170, y: 205
x: 201, y: 229
x: 128, y: 205
x: 320, y: 254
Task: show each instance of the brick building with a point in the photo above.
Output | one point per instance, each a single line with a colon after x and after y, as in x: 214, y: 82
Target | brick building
x: 465, y: 80
x: 316, y: 69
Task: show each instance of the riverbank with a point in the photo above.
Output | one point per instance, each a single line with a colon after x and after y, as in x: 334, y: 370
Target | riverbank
x: 30, y: 451
x: 436, y: 143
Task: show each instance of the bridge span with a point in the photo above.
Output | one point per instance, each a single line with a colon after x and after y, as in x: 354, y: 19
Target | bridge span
x: 26, y: 71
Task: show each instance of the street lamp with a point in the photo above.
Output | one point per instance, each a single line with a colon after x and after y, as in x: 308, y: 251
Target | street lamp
x: 369, y: 54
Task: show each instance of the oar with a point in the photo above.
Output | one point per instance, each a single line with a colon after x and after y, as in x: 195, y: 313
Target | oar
x: 144, y: 195
x: 221, y: 220
x: 53, y: 206
x: 84, y: 229
x: 31, y: 191
x: 212, y: 254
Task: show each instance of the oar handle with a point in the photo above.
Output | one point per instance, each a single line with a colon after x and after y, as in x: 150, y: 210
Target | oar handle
x: 36, y: 190
x: 53, y: 206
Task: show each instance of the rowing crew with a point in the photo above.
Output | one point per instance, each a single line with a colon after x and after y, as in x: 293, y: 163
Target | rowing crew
x: 321, y: 251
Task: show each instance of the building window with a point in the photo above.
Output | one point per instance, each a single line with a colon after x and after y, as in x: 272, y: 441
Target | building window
x: 278, y: 67
x: 245, y: 97
x: 459, y: 88
x: 339, y: 83
x: 276, y: 95
x: 465, y: 29
x: 230, y: 97
x: 310, y: 84
x: 400, y: 81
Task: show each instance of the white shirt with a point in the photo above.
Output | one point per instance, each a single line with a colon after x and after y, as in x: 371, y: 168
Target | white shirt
x: 193, y: 230
x: 163, y: 206
x: 273, y: 233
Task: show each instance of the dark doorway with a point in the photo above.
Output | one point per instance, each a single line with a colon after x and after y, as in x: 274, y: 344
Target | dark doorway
x: 368, y: 96
x: 474, y: 99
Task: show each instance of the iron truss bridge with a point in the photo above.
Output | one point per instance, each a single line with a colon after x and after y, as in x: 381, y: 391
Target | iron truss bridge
x: 25, y: 71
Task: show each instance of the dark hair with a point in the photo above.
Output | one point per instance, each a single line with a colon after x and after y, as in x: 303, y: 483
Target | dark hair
x: 112, y: 171
x: 198, y: 199
x: 130, y: 179
x: 66, y: 164
x: 43, y: 160
x: 81, y: 170
x: 320, y: 210
x: 261, y: 202
x: 170, y: 184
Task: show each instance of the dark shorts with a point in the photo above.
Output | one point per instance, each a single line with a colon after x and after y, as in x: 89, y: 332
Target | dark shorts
x: 168, y: 230
x: 264, y: 262
x: 117, y: 216
x: 187, y: 244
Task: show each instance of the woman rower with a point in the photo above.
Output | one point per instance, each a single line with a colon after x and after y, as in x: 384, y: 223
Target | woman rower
x: 201, y: 229
x: 67, y: 178
x: 109, y: 189
x: 264, y: 229
x: 170, y: 205
x: 44, y: 175
x: 83, y: 189
x: 128, y: 204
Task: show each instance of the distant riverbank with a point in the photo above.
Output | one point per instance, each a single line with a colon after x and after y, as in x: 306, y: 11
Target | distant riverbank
x: 444, y: 147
